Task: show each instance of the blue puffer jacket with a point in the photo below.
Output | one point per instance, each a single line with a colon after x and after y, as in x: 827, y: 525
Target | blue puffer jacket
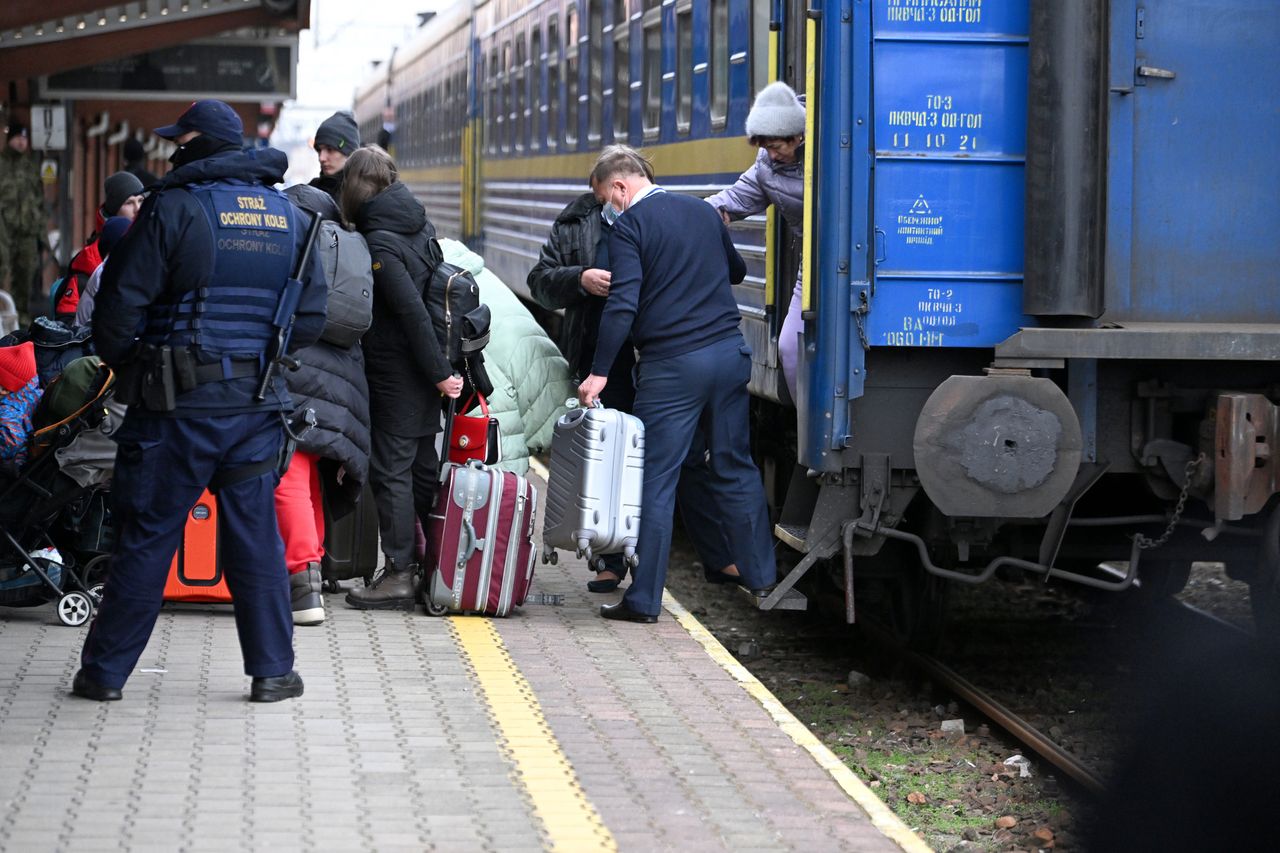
x: 766, y: 183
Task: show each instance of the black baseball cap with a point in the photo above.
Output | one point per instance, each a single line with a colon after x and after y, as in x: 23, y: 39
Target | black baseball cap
x: 210, y: 117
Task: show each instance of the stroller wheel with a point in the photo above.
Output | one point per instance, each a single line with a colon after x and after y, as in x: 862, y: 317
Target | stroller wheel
x: 95, y: 594
x: 75, y: 608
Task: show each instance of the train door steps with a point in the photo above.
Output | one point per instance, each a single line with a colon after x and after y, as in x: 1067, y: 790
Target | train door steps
x: 550, y: 729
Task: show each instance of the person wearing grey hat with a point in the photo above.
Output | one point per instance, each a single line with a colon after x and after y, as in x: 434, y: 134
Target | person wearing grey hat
x: 122, y: 196
x: 775, y: 125
x: 336, y: 138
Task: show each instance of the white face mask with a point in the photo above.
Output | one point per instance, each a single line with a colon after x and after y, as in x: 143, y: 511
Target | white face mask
x: 610, y: 214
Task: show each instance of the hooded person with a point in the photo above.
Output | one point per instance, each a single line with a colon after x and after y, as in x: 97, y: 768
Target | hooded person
x: 135, y: 162
x: 336, y: 138
x: 185, y: 316
x: 775, y: 125
x: 113, y: 231
x: 331, y: 463
x: 122, y: 195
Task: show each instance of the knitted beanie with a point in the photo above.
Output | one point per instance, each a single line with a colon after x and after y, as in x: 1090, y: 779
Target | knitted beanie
x: 339, y: 131
x: 776, y: 112
x: 117, y: 189
x: 17, y: 366
x: 133, y: 150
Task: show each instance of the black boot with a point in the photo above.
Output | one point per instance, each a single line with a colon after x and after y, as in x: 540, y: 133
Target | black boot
x: 304, y: 589
x: 394, y: 590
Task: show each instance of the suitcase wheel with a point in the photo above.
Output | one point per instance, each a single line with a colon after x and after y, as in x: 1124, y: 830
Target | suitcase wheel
x: 330, y: 586
x: 434, y: 609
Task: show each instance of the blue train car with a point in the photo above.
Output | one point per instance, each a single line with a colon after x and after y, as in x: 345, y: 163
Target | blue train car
x: 1041, y: 312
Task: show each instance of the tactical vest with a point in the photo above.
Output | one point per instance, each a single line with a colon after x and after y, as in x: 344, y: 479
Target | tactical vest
x: 230, y: 315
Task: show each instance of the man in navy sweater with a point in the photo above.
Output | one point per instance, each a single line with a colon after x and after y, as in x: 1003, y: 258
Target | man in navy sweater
x: 672, y: 263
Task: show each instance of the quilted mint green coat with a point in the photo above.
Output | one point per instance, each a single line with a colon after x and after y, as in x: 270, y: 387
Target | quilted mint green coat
x: 530, y: 377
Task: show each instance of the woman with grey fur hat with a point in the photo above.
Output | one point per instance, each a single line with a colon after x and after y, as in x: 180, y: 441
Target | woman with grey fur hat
x: 776, y: 126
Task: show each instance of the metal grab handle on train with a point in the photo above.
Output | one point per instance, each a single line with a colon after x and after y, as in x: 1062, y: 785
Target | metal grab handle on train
x: 1152, y: 71
x: 881, y: 247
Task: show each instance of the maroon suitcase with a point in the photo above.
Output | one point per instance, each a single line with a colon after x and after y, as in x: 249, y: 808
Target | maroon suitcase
x: 480, y: 541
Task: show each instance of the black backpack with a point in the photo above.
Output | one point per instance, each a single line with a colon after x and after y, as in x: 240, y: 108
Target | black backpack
x: 461, y: 320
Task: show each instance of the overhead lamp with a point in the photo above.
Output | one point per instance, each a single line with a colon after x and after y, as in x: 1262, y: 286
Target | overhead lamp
x: 80, y: 25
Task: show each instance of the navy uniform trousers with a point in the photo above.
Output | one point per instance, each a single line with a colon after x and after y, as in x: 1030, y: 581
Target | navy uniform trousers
x: 675, y: 396
x: 162, y: 466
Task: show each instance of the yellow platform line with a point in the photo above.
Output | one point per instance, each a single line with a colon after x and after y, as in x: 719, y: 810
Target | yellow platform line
x: 881, y: 816
x: 550, y: 784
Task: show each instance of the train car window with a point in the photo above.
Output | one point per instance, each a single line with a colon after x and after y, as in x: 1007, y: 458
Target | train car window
x: 718, y: 45
x: 595, y: 86
x: 652, y: 72
x: 553, y: 82
x: 504, y: 96
x: 522, y: 93
x: 684, y: 68
x: 459, y: 110
x: 652, y: 4
x: 571, y: 49
x: 760, y: 47
x: 493, y: 114
x: 535, y: 100
x: 621, y: 72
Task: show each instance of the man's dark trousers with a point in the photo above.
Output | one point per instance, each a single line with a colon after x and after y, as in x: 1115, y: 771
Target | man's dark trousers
x: 162, y: 466
x: 674, y: 396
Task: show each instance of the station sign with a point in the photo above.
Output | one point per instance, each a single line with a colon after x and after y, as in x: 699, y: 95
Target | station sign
x: 228, y: 69
x: 49, y: 127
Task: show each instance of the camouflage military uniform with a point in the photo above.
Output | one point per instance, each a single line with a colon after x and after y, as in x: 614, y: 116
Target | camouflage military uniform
x: 22, y: 225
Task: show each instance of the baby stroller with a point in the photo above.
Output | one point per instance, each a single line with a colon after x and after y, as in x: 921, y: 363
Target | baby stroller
x: 42, y: 501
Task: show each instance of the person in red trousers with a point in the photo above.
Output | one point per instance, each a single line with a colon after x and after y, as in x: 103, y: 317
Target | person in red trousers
x: 331, y: 462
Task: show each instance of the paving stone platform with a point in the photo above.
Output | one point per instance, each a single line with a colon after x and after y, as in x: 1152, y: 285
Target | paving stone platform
x: 553, y: 729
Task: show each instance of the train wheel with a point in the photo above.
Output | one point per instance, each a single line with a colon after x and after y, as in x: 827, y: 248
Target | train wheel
x: 917, y: 609
x: 1163, y: 578
x: 906, y: 601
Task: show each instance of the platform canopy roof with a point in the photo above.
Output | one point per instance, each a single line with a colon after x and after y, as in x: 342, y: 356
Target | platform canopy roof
x: 40, y: 37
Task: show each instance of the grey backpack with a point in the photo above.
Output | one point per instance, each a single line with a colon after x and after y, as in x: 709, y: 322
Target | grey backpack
x: 349, y: 269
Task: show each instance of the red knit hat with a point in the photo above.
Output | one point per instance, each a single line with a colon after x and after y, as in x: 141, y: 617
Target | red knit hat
x: 17, y: 366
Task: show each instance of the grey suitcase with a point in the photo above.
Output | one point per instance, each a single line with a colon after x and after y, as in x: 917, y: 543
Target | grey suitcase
x: 593, y: 492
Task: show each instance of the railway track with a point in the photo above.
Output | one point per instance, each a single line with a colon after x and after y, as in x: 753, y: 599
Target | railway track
x: 1092, y: 783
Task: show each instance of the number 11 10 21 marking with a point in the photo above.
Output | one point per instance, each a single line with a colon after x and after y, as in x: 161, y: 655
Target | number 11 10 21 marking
x: 936, y: 141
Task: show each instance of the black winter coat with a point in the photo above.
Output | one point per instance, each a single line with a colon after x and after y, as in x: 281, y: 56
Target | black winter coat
x: 554, y: 281
x: 330, y: 380
x: 403, y: 359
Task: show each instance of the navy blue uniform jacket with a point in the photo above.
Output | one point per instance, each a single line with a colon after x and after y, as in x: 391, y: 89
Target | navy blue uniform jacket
x: 169, y: 250
x: 672, y: 262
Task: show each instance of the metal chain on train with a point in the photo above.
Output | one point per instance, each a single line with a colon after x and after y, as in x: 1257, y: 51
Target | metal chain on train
x: 1148, y: 544
x: 859, y: 315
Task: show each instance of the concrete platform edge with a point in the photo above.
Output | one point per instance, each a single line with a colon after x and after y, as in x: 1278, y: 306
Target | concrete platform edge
x: 881, y: 816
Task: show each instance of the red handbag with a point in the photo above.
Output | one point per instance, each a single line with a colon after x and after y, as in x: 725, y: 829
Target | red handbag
x: 475, y: 436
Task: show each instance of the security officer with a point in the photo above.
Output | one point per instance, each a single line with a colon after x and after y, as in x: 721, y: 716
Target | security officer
x: 185, y: 314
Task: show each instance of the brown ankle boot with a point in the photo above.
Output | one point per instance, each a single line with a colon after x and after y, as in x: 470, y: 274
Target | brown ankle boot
x: 394, y: 590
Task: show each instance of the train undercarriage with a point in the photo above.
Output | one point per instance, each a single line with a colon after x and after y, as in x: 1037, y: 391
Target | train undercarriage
x: 1105, y: 473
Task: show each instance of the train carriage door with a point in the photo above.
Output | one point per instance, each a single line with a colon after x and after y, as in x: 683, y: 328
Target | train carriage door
x: 787, y: 63
x: 1192, y: 224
